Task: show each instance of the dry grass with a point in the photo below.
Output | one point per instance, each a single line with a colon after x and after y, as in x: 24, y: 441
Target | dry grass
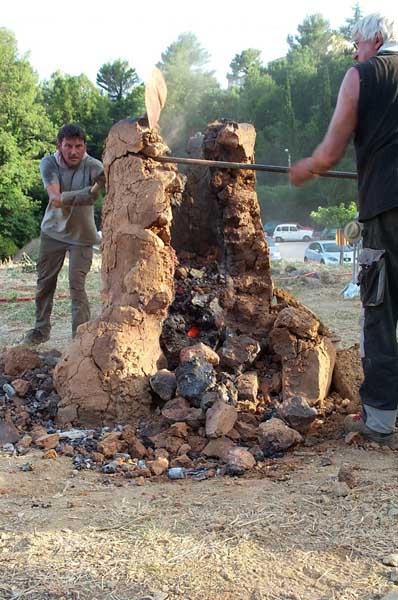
x: 19, y: 280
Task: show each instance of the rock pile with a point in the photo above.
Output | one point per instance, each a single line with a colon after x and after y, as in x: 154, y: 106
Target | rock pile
x: 220, y: 410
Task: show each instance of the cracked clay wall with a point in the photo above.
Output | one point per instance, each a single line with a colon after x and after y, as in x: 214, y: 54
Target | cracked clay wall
x: 220, y: 217
x: 103, y: 377
x: 244, y: 251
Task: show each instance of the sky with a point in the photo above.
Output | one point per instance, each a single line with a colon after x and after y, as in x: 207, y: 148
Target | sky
x: 78, y: 36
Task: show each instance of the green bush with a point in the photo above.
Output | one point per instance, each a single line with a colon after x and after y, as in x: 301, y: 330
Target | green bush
x: 7, y: 248
x: 284, y: 203
x: 334, y: 216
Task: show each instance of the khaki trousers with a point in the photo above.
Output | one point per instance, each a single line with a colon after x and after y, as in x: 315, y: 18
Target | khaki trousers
x: 51, y: 258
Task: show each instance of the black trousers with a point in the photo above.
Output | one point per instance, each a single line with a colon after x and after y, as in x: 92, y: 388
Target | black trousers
x: 378, y: 280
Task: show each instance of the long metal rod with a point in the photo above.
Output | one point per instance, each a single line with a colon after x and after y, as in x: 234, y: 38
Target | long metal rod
x: 249, y: 166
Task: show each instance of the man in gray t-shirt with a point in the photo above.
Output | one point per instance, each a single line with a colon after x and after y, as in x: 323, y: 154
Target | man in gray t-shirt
x: 72, y: 179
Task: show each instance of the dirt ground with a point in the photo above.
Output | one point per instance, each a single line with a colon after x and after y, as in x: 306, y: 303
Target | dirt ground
x: 286, y: 532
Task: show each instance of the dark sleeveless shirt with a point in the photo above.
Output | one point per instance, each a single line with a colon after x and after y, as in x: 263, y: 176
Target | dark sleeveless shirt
x: 376, y: 135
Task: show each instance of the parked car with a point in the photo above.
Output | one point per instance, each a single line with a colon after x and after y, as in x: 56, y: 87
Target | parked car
x: 269, y: 227
x: 316, y: 234
x: 274, y: 252
x: 329, y: 233
x: 327, y: 253
x: 292, y: 232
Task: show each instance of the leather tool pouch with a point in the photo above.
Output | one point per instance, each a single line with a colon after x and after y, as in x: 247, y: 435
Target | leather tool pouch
x: 372, y: 276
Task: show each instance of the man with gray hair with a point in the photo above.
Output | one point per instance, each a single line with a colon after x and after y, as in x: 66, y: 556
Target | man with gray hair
x: 367, y: 111
x: 72, y: 179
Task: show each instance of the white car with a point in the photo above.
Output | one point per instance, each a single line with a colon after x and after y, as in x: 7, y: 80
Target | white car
x: 274, y: 252
x: 327, y: 253
x: 292, y: 232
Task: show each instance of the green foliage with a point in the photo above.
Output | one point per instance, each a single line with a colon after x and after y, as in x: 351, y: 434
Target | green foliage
x: 25, y: 135
x: 70, y: 98
x: 7, y: 248
x: 243, y: 64
x: 117, y: 79
x: 75, y: 99
x: 346, y: 30
x: 334, y: 216
x: 131, y: 106
x: 185, y: 53
x: 290, y: 102
x: 286, y: 203
x: 314, y: 33
x: 190, y: 90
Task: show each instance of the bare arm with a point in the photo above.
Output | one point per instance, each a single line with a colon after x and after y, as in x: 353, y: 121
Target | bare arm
x: 338, y: 136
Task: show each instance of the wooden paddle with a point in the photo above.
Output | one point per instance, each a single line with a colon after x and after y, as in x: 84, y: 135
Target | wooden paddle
x: 155, y: 96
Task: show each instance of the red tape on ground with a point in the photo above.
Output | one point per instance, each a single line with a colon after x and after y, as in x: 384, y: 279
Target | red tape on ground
x: 30, y: 298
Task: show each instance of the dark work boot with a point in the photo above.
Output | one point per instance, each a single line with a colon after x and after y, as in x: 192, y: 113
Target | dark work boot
x: 34, y: 337
x: 356, y: 424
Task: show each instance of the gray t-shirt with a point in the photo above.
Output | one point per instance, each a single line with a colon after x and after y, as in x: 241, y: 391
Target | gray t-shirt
x: 73, y: 223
